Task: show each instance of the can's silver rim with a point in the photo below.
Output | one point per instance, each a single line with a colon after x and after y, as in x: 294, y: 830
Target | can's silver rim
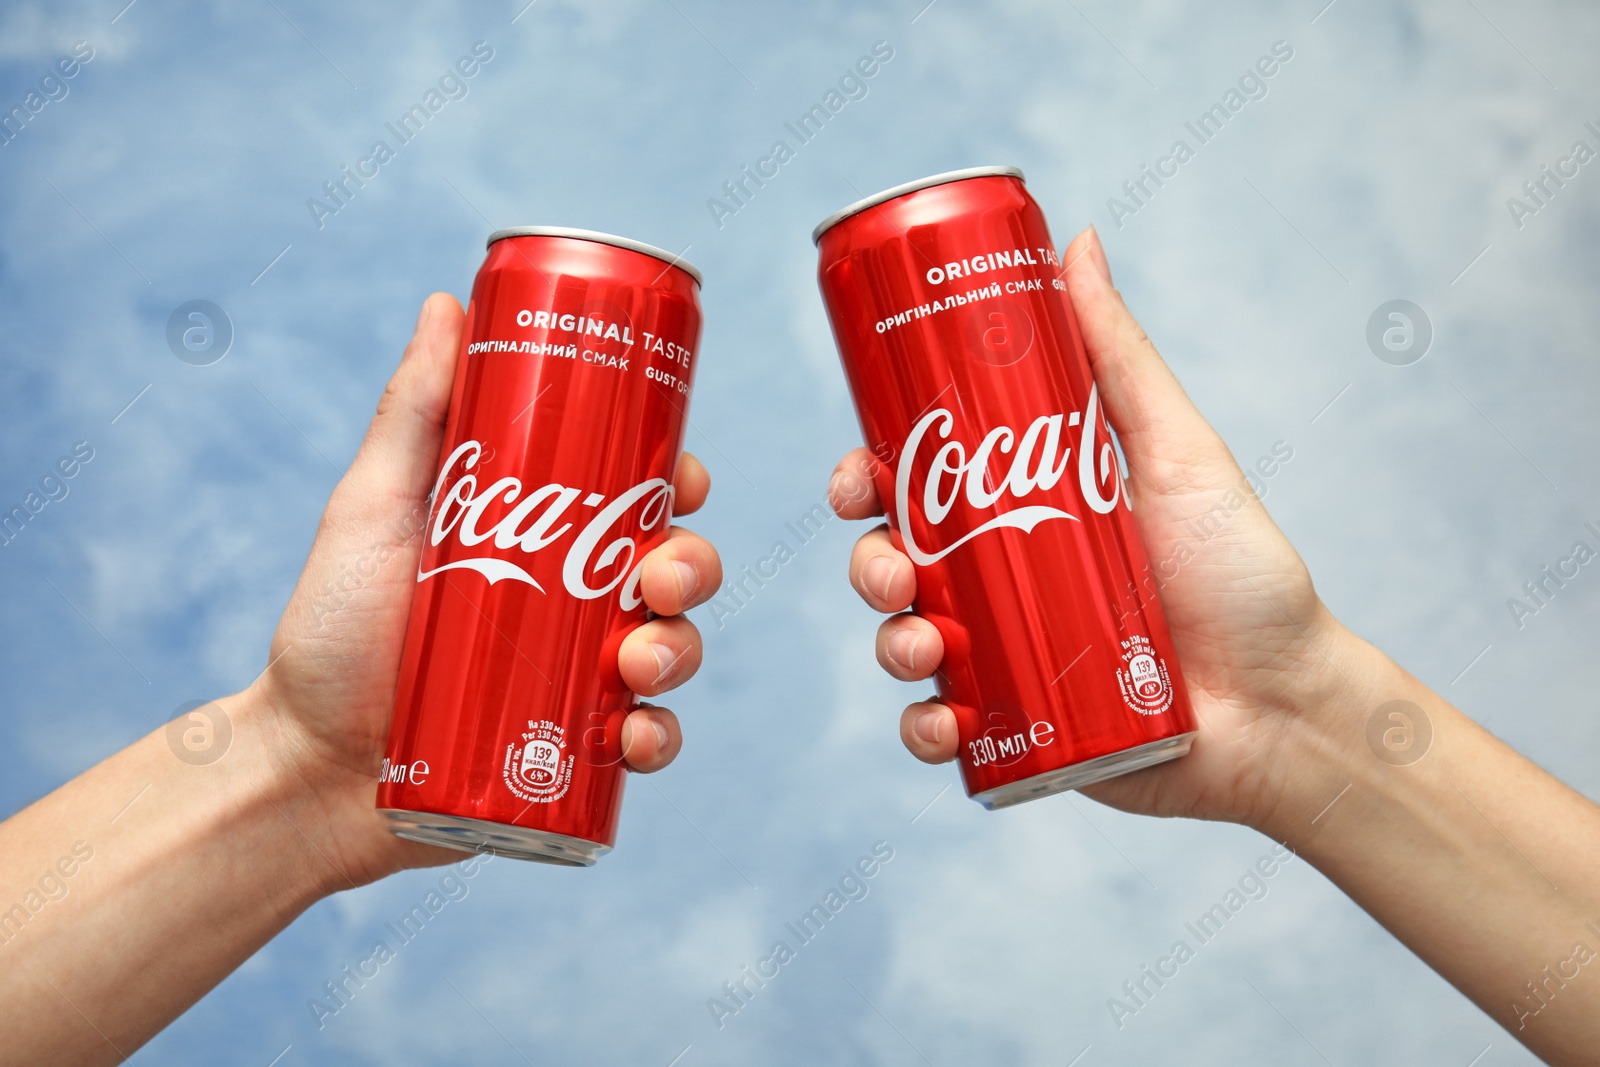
x: 911, y: 187
x: 601, y: 238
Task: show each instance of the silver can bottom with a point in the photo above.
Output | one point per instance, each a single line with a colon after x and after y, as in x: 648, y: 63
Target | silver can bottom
x: 496, y: 839
x: 1086, y: 773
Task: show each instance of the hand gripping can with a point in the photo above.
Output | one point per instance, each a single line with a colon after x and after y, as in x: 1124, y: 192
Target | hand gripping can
x: 554, y: 479
x: 1001, y: 483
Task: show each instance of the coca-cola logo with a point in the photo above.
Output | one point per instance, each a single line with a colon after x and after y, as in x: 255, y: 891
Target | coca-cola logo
x: 1039, y: 458
x: 599, y: 553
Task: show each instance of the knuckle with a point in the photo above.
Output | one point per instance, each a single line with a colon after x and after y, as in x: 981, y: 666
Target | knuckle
x: 390, y: 400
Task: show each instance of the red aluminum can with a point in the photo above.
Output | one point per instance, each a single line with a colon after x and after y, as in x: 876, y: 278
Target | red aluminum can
x: 1001, y: 482
x: 555, y: 478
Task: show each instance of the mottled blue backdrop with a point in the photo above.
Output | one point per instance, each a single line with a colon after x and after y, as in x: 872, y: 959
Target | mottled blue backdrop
x: 1379, y: 162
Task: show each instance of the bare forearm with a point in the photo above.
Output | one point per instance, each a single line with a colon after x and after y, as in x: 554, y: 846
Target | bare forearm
x: 178, y: 873
x: 1484, y: 865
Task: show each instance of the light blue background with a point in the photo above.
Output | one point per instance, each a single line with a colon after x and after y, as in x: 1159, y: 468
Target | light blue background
x: 1377, y: 167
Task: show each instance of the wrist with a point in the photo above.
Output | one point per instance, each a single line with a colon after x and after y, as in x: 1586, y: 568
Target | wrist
x: 217, y: 795
x: 1322, y: 752
x: 328, y: 807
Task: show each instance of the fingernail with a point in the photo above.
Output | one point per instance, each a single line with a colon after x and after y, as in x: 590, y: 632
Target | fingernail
x: 878, y: 575
x: 688, y: 579
x: 1084, y: 245
x: 1098, y: 254
x: 666, y: 661
x: 902, y: 648
x: 926, y: 726
x: 661, y: 735
x: 423, y: 315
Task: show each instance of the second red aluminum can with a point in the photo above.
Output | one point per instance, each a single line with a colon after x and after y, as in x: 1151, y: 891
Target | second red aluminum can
x: 1000, y: 480
x: 554, y: 480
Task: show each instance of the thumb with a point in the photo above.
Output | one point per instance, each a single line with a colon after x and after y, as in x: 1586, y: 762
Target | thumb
x: 1169, y: 445
x: 393, y: 471
x: 368, y: 534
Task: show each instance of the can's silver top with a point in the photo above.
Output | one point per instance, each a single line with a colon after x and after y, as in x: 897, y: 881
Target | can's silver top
x: 911, y: 187
x: 601, y: 238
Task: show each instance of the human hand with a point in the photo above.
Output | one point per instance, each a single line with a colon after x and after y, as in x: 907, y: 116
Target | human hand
x: 1255, y: 642
x: 324, y: 702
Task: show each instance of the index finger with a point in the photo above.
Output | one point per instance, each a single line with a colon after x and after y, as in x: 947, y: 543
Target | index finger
x: 690, y: 486
x: 851, y: 490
